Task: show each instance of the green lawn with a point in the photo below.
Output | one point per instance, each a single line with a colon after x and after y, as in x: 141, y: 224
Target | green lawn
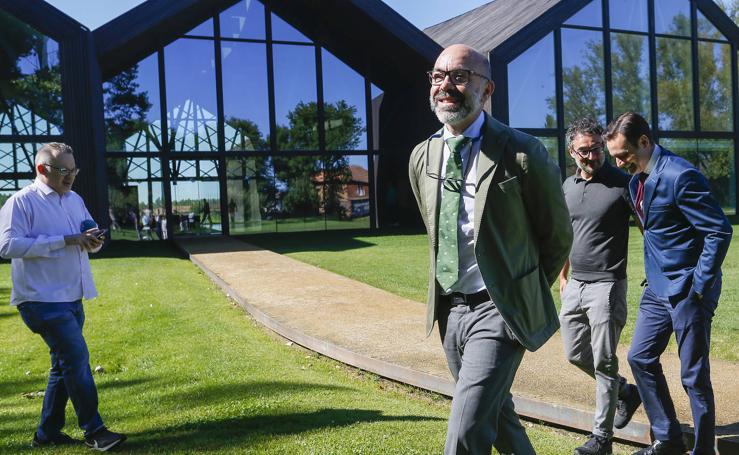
x: 397, y: 261
x: 187, y: 372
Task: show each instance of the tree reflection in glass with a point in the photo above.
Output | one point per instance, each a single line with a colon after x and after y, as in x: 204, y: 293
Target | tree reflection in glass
x: 630, y: 74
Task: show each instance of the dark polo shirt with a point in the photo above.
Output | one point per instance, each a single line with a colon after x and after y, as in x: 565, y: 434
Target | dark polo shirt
x: 599, y: 212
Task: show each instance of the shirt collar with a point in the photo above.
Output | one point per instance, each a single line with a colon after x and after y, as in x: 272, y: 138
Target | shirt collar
x: 656, y: 152
x: 46, y: 189
x: 473, y: 131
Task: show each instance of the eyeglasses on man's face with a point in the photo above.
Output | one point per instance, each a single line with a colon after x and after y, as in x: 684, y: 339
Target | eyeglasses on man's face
x: 63, y: 171
x: 585, y: 152
x: 457, y: 77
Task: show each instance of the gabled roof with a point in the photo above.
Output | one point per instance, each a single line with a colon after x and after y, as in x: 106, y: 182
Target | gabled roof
x: 367, y: 35
x: 489, y: 25
x: 43, y: 17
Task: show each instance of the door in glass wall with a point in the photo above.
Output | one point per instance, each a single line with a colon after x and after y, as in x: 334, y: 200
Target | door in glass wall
x: 136, y: 201
x: 196, y: 197
x: 252, y: 195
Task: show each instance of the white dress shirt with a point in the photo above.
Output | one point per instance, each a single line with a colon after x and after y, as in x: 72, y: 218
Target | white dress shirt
x: 33, y: 223
x: 470, y: 279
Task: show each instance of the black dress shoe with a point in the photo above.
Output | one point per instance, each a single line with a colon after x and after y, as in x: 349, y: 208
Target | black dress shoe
x: 664, y: 448
x: 626, y: 407
x: 62, y: 439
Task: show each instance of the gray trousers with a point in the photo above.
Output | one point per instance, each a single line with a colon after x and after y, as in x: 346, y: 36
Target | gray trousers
x: 483, y: 357
x: 591, y: 319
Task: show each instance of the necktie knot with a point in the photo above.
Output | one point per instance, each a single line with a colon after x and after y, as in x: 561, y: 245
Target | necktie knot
x: 456, y: 144
x: 643, y: 177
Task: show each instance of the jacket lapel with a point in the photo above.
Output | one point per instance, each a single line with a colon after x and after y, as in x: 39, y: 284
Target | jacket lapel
x: 433, y: 186
x: 491, y: 151
x: 651, y: 183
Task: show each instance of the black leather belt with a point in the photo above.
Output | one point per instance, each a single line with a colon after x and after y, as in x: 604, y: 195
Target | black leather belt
x: 457, y: 298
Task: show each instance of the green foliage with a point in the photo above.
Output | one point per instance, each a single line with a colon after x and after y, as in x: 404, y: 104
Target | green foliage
x: 251, y: 137
x: 630, y: 90
x: 125, y: 109
x: 39, y: 91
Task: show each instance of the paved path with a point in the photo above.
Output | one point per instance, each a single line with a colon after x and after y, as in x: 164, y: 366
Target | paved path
x: 376, y: 330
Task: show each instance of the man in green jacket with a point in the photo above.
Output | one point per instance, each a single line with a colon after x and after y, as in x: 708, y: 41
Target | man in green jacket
x: 499, y: 232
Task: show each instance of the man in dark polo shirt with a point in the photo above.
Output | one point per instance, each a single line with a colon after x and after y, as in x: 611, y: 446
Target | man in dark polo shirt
x: 594, y: 298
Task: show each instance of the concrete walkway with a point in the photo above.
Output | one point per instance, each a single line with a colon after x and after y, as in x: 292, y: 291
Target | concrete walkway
x: 377, y: 331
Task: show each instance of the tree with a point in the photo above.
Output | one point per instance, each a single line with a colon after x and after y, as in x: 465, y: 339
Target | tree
x: 125, y: 109
x: 300, y: 174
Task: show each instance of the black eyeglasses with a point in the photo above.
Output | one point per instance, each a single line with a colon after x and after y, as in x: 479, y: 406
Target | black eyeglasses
x: 458, y: 77
x: 63, y: 171
x: 598, y: 149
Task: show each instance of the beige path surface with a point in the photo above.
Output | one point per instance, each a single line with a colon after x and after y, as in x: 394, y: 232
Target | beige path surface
x: 378, y: 325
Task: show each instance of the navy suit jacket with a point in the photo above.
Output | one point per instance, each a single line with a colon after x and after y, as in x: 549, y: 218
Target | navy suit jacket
x: 686, y: 234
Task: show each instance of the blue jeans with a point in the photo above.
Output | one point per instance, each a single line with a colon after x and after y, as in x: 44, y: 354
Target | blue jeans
x: 60, y: 325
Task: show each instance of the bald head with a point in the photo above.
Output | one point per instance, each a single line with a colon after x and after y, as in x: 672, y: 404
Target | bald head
x: 462, y: 54
x: 50, y: 153
x: 460, y: 87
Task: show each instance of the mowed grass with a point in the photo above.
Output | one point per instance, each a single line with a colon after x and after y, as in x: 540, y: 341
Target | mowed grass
x: 186, y: 371
x: 397, y: 261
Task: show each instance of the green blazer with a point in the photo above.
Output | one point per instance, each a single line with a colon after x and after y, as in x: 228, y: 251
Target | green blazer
x: 522, y: 227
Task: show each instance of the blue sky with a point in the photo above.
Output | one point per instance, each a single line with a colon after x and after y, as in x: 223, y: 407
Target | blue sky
x: 422, y: 13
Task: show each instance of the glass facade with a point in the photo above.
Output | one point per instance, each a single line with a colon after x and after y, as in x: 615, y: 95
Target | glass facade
x: 261, y: 133
x: 30, y: 100
x: 606, y: 69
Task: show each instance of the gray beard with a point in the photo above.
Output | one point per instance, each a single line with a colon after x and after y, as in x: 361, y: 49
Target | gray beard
x: 469, y: 105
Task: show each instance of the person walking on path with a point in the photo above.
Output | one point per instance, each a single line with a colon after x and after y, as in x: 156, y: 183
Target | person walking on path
x: 593, y: 309
x: 686, y: 237
x: 40, y: 232
x: 499, y: 233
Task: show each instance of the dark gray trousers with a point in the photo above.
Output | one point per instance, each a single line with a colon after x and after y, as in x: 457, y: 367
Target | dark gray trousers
x: 483, y: 357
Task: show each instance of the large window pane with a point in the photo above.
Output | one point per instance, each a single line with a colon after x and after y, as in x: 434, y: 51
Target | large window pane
x: 136, y: 201
x: 282, y: 31
x: 629, y: 15
x: 714, y: 71
x: 298, y: 193
x: 196, y: 198
x: 532, y: 102
x: 674, y: 84
x: 715, y: 159
x: 591, y: 15
x: 132, y: 115
x: 245, y: 100
x: 243, y: 20
x: 252, y: 195
x: 343, y: 185
x: 630, y: 74
x: 203, y: 29
x: 296, y: 108
x: 582, y: 75
x: 672, y: 17
x: 30, y: 80
x: 191, y: 97
x: 706, y: 29
x: 344, y: 106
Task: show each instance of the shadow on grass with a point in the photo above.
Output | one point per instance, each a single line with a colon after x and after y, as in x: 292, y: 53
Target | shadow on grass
x: 16, y: 387
x: 244, y: 431
x: 340, y: 240
x: 121, y: 384
x: 211, y: 394
x: 8, y: 315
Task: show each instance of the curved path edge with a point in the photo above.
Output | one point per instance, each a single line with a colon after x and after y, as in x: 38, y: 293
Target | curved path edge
x: 554, y: 414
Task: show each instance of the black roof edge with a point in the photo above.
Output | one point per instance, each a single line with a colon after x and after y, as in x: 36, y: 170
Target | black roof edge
x: 403, y: 29
x: 141, y: 24
x: 718, y: 17
x: 43, y: 17
x: 536, y: 30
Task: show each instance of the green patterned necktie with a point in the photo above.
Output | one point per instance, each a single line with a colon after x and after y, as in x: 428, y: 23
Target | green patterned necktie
x: 447, y: 258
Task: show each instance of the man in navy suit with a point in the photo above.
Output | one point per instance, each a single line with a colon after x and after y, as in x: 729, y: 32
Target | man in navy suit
x: 686, y: 237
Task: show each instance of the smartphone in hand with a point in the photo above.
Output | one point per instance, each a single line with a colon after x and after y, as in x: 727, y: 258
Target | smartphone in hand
x: 101, y: 234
